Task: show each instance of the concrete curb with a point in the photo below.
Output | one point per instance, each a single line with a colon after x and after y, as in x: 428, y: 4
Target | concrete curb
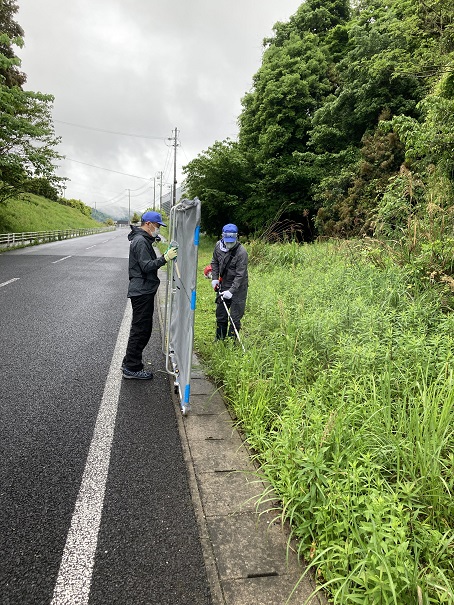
x: 244, y: 544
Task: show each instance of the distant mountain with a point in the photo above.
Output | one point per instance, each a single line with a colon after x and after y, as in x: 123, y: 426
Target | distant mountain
x: 121, y: 214
x: 117, y: 214
x: 100, y: 216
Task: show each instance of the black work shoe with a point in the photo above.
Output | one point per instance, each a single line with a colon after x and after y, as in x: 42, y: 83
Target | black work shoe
x: 140, y: 375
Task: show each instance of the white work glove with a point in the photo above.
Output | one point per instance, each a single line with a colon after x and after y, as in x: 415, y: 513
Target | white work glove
x: 170, y: 254
x: 215, y: 283
x: 227, y: 295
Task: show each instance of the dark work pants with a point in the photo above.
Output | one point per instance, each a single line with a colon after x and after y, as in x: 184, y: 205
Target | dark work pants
x: 236, y: 306
x: 141, y: 327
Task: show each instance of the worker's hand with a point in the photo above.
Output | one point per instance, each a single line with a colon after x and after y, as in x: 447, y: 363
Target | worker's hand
x: 227, y: 295
x: 215, y: 283
x: 170, y: 254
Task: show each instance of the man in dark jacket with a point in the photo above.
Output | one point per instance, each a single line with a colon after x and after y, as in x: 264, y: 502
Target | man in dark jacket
x: 143, y: 284
x: 229, y: 278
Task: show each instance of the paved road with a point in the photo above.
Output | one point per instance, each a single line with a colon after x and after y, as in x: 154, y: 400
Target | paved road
x: 94, y: 500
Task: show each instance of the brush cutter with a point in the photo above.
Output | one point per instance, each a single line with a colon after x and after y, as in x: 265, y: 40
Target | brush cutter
x: 219, y: 296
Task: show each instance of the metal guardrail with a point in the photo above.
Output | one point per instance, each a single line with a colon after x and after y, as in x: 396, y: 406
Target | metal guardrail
x: 11, y: 240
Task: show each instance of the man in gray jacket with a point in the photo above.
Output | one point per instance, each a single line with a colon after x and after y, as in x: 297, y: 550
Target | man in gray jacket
x: 143, y: 284
x: 230, y: 279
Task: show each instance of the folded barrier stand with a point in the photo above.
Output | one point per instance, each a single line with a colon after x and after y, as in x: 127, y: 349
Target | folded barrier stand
x: 180, y: 301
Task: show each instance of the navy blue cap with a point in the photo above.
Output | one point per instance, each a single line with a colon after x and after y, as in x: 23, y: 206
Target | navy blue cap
x: 152, y: 217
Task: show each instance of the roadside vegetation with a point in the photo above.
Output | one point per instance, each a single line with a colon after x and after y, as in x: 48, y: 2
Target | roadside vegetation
x: 346, y: 395
x: 345, y: 392
x: 36, y: 213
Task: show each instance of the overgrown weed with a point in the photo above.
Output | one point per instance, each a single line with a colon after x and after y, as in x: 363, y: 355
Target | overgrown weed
x: 346, y: 394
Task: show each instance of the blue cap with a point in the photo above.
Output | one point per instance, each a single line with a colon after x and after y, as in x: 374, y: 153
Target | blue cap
x: 152, y: 217
x: 230, y: 233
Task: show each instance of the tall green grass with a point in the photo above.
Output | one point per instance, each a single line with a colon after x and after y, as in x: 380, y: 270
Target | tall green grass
x: 346, y: 394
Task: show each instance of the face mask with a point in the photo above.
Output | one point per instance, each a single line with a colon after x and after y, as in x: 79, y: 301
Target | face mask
x: 156, y: 232
x: 229, y: 245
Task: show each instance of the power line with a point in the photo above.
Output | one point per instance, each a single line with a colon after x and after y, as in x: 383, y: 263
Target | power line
x: 167, y: 164
x: 134, y: 176
x: 79, y: 185
x: 125, y: 134
x: 113, y: 200
x: 118, y: 197
x: 142, y: 186
x: 141, y: 193
x: 184, y: 151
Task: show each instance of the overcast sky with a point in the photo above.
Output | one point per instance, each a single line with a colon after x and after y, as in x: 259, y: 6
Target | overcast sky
x: 141, y: 67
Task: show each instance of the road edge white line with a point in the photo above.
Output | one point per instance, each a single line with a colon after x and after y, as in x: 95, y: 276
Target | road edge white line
x: 76, y: 568
x: 10, y: 281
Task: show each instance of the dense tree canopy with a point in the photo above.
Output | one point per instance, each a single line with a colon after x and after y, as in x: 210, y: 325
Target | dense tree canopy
x: 27, y: 138
x: 10, y: 33
x: 348, y: 97
x: 221, y: 177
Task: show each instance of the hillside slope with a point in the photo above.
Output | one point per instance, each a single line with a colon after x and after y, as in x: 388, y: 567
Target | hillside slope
x: 35, y: 213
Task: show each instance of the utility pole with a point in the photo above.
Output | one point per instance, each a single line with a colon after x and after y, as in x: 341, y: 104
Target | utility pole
x: 159, y: 176
x: 154, y: 193
x: 175, y: 144
x: 129, y: 206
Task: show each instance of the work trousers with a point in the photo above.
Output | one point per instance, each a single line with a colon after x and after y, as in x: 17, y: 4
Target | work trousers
x: 236, y: 306
x: 141, y: 327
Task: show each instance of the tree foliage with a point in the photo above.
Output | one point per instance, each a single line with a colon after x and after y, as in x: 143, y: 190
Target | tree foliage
x: 220, y: 177
x: 27, y: 138
x: 349, y: 96
x: 11, y: 34
x: 42, y: 187
x: 77, y: 204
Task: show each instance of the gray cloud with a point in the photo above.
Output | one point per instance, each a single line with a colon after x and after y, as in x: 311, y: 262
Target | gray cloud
x: 143, y: 67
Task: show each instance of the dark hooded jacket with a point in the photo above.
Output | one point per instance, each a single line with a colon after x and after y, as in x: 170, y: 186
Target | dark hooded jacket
x: 143, y: 263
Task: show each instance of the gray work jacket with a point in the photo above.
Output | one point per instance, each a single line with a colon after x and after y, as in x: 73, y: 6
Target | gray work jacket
x: 235, y: 278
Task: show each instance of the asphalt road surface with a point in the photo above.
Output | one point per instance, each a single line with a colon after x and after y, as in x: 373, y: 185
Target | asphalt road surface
x: 94, y: 500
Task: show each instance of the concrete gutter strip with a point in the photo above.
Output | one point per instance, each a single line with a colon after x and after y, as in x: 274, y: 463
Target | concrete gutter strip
x: 245, y: 546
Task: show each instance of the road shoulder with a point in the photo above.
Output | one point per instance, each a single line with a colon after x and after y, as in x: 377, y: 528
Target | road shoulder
x: 247, y: 552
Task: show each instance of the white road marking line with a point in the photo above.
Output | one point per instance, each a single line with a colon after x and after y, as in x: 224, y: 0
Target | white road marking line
x: 10, y: 281
x: 94, y: 246
x: 60, y: 259
x: 76, y: 567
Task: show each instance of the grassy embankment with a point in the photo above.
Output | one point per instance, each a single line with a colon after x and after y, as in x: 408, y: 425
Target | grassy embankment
x: 36, y: 213
x: 346, y: 394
